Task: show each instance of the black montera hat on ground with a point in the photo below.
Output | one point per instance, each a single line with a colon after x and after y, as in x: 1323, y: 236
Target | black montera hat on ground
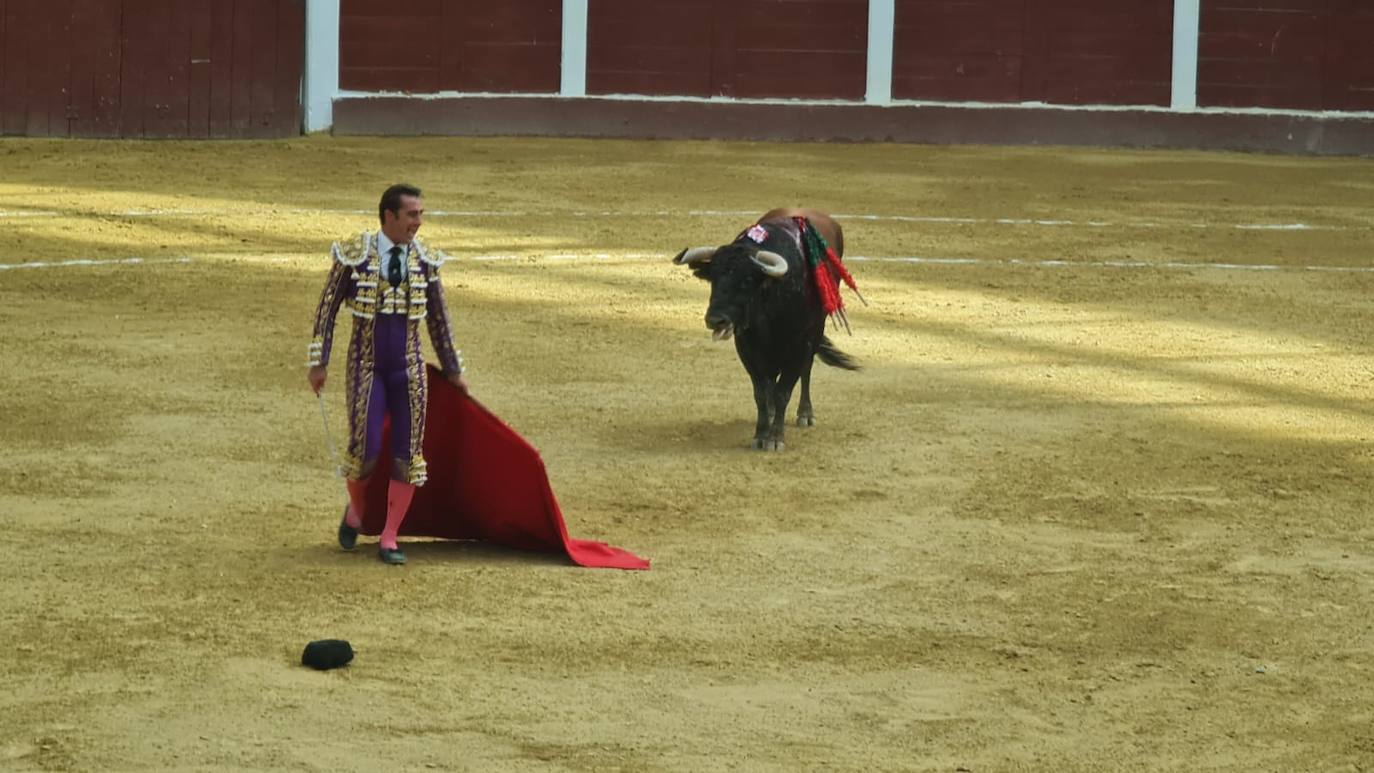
x: 326, y: 654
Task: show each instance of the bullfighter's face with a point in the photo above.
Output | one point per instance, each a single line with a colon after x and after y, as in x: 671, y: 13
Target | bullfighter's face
x: 402, y: 225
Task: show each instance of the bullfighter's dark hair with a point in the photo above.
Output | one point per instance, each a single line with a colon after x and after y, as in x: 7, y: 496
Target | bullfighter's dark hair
x: 391, y: 199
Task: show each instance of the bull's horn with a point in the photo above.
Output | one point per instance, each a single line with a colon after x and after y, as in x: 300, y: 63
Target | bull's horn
x: 772, y: 263
x: 695, y: 255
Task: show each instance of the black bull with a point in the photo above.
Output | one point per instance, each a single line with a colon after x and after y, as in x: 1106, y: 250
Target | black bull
x: 762, y: 294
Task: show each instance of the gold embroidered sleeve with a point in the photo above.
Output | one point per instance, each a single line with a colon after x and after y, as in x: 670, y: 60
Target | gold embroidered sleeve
x: 440, y: 331
x: 322, y: 335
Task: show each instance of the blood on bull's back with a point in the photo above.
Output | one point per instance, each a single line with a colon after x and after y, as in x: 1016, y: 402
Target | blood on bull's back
x: 823, y: 223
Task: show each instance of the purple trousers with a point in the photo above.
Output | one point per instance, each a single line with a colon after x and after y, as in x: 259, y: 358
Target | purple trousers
x: 390, y: 390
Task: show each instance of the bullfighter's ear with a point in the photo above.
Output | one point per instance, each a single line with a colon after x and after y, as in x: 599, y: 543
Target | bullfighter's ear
x: 695, y: 255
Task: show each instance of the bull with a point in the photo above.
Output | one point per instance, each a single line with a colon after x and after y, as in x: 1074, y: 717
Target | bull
x: 763, y: 295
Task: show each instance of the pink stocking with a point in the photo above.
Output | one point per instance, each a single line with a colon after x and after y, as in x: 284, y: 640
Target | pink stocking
x: 397, y: 503
x: 357, y: 502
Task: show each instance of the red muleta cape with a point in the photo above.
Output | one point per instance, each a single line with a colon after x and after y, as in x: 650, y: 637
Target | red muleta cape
x: 485, y: 483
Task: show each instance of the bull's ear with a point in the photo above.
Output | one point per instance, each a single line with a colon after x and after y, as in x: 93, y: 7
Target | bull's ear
x: 694, y: 256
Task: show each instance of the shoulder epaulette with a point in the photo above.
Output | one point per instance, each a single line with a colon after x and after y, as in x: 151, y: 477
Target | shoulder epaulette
x: 431, y: 255
x: 352, y: 251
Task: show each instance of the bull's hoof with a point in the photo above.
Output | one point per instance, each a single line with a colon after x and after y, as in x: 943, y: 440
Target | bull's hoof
x: 806, y: 420
x: 767, y: 444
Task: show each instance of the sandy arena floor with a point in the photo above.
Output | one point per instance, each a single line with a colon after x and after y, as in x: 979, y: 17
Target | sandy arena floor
x: 1099, y: 500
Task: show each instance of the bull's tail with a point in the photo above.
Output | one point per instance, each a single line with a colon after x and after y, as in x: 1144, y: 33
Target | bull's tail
x: 834, y: 357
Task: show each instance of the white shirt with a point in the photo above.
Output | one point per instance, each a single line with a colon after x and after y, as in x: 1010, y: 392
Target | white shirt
x: 384, y: 246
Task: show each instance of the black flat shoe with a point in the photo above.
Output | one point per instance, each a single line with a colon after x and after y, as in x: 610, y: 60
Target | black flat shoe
x: 348, y: 536
x: 392, y: 556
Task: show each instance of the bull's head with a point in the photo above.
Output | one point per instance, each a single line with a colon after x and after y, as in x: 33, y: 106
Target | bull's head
x: 736, y: 273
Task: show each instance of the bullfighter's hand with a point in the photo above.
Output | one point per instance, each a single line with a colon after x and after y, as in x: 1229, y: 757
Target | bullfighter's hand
x: 316, y: 376
x: 457, y: 380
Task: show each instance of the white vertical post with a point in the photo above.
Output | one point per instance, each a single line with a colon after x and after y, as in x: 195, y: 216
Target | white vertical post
x: 574, y: 79
x: 1186, y: 26
x: 321, y: 63
x: 882, y: 17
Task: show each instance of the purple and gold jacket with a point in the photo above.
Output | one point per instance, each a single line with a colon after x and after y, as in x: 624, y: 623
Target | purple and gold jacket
x: 355, y: 279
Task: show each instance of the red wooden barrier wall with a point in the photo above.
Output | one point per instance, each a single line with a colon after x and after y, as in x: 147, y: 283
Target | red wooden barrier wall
x: 643, y: 48
x: 424, y: 46
x: 1299, y: 54
x: 733, y: 48
x: 151, y: 68
x: 232, y: 68
x: 1071, y: 52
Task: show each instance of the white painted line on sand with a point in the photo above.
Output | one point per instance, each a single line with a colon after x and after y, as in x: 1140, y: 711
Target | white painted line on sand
x: 1175, y: 265
x: 742, y: 214
x: 652, y: 256
x: 936, y: 261
x: 89, y: 262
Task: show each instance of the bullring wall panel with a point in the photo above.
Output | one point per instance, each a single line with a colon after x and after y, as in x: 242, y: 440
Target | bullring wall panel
x: 4, y: 14
x: 1070, y: 52
x: 151, y: 68
x: 450, y: 45
x: 800, y: 49
x: 1350, y: 48
x: 805, y: 49
x: 652, y: 49
x: 1290, y: 54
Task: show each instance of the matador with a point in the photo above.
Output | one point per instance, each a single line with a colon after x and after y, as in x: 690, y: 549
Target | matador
x: 390, y: 282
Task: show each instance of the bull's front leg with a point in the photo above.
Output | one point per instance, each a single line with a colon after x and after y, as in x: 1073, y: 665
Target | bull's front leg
x: 806, y: 417
x: 763, y: 401
x: 782, y: 395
